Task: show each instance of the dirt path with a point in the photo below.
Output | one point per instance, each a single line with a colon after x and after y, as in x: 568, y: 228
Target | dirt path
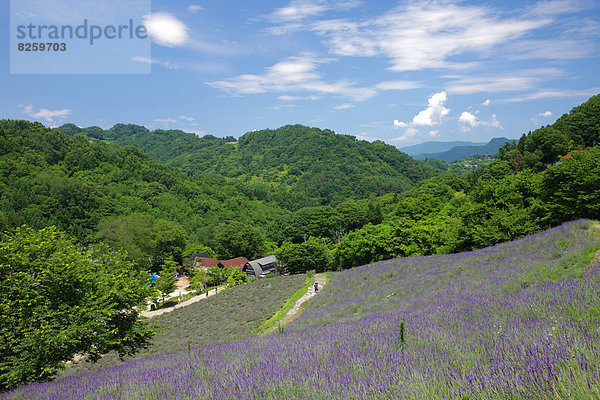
x: 295, y: 310
x: 195, y: 299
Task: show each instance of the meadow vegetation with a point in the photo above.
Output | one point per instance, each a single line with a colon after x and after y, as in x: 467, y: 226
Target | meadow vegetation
x: 232, y: 314
x: 476, y: 325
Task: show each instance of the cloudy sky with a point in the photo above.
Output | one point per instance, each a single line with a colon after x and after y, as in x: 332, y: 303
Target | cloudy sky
x: 401, y: 71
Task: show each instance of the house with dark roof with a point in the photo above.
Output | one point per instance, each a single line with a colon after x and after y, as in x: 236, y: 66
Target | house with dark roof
x: 261, y: 267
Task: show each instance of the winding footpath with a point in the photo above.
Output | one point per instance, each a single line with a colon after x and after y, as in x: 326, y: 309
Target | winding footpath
x: 295, y: 310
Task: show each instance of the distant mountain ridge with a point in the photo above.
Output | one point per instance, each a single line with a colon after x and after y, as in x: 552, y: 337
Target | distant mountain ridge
x: 459, y: 152
x: 436, y: 147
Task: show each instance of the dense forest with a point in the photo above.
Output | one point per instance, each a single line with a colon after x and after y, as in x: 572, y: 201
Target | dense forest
x: 293, y: 166
x: 359, y: 201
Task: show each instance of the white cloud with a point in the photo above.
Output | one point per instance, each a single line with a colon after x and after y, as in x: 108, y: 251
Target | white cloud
x: 545, y: 114
x: 44, y: 113
x: 486, y: 103
x: 398, y: 85
x: 430, y: 116
x: 298, y: 10
x: 469, y: 121
x: 288, y: 98
x: 365, y: 136
x: 433, y: 114
x: 343, y: 106
x: 165, y: 121
x: 495, y: 123
x: 421, y: 35
x: 172, y: 120
x: 165, y: 29
x: 294, y: 98
x: 468, y: 118
x: 194, y: 8
x: 147, y: 60
x: 554, y: 94
x: 555, y: 7
x: 552, y: 49
x: 297, y: 73
x: 197, y: 132
x: 434, y: 133
x: 516, y: 81
x: 409, y: 133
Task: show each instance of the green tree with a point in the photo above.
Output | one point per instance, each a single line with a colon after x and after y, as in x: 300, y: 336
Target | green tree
x: 237, y: 239
x: 237, y: 277
x: 165, y: 284
x: 57, y: 300
x: 571, y: 189
x: 301, y: 257
x: 217, y: 275
x: 195, y: 248
x: 310, y: 221
x: 199, y: 278
x: 396, y: 238
x: 147, y: 240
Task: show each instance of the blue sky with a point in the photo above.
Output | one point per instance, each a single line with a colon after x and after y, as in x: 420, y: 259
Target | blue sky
x: 403, y: 72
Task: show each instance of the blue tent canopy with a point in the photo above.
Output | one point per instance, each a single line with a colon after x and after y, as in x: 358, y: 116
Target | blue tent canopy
x: 153, y: 278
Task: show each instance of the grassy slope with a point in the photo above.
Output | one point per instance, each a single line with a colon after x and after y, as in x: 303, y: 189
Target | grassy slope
x: 502, y: 270
x: 230, y: 315
x: 519, y: 320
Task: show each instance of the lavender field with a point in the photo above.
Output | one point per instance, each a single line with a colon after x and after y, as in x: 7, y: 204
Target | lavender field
x: 519, y: 320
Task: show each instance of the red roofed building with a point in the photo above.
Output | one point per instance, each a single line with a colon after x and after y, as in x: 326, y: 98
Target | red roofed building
x: 238, y: 262
x: 204, y: 262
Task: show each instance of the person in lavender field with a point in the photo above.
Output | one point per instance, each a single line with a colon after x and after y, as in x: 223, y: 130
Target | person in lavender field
x: 316, y: 286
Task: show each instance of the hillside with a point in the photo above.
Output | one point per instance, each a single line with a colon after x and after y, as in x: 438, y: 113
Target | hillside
x: 514, y: 321
x: 294, y: 165
x: 460, y: 152
x: 232, y: 314
x: 436, y: 147
x: 577, y: 130
x: 47, y: 178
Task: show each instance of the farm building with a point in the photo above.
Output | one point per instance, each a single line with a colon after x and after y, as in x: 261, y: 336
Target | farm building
x: 261, y: 267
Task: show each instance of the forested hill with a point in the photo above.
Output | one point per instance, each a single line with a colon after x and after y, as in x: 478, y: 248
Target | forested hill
x: 104, y: 192
x: 577, y: 130
x: 90, y: 189
x: 294, y: 165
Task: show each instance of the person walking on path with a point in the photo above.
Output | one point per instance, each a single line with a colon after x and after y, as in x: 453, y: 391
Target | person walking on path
x: 316, y: 287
